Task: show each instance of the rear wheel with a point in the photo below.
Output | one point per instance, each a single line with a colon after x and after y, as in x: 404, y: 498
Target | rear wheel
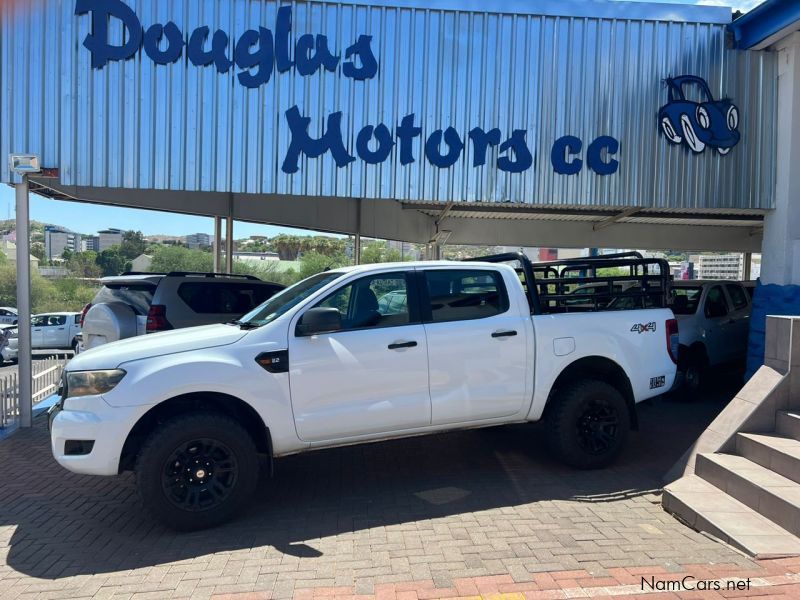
x: 695, y: 370
x: 588, y: 424
x: 197, y: 471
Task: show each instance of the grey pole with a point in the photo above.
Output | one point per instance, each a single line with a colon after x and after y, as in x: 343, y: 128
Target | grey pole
x: 229, y: 245
x: 217, y: 244
x: 748, y: 266
x: 24, y: 303
x: 357, y: 238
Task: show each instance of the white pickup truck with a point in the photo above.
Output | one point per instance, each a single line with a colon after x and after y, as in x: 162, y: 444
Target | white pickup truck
x: 355, y: 355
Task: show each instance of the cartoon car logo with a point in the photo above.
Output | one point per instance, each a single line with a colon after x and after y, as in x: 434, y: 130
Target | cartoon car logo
x: 712, y: 123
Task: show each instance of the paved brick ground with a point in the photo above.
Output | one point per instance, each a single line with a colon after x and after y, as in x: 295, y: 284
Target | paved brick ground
x: 478, y: 512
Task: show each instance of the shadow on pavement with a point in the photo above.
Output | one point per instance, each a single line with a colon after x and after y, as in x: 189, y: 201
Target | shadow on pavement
x: 63, y: 524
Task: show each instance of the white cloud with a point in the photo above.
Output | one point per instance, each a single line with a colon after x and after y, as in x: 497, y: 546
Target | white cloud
x: 743, y: 5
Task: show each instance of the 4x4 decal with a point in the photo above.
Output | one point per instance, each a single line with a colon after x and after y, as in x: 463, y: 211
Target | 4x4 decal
x: 642, y: 327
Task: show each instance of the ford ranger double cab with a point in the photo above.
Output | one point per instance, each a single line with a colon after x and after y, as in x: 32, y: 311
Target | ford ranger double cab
x: 362, y: 354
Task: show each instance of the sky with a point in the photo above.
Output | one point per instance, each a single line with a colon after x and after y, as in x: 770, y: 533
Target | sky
x: 89, y: 218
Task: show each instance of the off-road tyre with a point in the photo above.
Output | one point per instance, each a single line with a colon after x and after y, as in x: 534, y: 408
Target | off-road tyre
x: 587, y: 424
x: 180, y: 450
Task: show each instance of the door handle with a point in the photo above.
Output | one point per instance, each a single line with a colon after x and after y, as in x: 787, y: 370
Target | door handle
x: 61, y: 329
x: 398, y: 345
x: 507, y: 333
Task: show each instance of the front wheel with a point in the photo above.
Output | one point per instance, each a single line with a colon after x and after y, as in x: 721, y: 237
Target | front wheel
x: 588, y: 424
x: 197, y: 471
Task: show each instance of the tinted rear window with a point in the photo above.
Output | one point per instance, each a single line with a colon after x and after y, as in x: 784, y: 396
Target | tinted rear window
x: 685, y: 299
x: 137, y: 296
x: 234, y: 299
x: 459, y: 295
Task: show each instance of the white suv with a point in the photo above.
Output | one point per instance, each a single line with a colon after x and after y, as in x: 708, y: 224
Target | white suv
x: 137, y: 303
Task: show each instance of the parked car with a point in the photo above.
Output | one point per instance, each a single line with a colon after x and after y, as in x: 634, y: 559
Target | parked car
x: 714, y: 322
x: 137, y: 303
x: 8, y: 315
x: 8, y: 352
x: 325, y: 363
x: 60, y: 330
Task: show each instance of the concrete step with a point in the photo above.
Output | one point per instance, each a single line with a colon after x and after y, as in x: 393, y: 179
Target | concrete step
x: 776, y: 453
x: 705, y: 507
x: 788, y: 423
x: 768, y: 493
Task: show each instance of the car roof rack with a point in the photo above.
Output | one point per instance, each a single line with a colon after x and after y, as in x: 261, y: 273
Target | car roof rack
x: 212, y: 275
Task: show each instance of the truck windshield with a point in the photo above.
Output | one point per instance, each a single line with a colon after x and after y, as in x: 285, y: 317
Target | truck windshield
x: 286, y: 299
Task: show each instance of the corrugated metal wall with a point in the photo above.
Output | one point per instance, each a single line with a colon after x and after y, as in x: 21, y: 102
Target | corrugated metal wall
x: 137, y: 125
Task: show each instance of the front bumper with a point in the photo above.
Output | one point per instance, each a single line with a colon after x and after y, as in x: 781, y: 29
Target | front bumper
x: 91, y: 418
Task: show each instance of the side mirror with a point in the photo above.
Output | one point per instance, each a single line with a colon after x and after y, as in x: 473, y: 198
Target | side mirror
x: 319, y: 320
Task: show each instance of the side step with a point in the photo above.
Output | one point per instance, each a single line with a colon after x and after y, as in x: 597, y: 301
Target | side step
x: 706, y: 507
x: 766, y: 492
x: 774, y: 452
x: 788, y: 424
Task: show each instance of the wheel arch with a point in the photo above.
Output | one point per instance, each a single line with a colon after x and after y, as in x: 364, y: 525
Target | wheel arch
x: 694, y: 350
x: 226, y: 404
x: 600, y: 368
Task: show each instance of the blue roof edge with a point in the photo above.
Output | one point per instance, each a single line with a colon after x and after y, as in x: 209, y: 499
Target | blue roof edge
x: 764, y: 21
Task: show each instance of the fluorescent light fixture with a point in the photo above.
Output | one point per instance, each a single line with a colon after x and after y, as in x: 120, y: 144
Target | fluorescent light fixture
x: 24, y: 163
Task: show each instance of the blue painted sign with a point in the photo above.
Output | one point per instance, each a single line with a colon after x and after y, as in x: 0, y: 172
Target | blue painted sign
x: 258, y: 53
x: 698, y: 125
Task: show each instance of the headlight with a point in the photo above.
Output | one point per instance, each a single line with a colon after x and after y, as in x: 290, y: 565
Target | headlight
x: 733, y: 118
x: 92, y: 383
x: 702, y: 117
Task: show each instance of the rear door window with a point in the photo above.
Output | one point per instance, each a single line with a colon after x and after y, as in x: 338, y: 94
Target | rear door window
x: 716, y: 305
x: 138, y: 296
x: 738, y: 296
x: 227, y: 298
x: 463, y: 294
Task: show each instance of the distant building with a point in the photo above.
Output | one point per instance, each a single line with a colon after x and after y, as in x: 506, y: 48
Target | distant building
x: 407, y: 250
x: 91, y: 242
x: 58, y: 239
x: 719, y: 266
x: 10, y: 250
x: 11, y: 236
x: 255, y: 256
x: 54, y: 272
x: 141, y: 263
x: 198, y: 240
x: 108, y: 238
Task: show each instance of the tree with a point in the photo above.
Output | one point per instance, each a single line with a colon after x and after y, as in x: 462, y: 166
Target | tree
x: 112, y: 262
x: 312, y: 263
x: 132, y: 245
x: 179, y: 258
x: 287, y: 246
x: 37, y: 250
x: 84, y: 264
x: 376, y: 252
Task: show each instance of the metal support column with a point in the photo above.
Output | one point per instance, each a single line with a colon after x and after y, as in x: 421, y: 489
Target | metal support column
x: 229, y: 237
x: 357, y: 238
x: 748, y: 266
x: 229, y: 245
x: 217, y: 244
x: 24, y: 303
